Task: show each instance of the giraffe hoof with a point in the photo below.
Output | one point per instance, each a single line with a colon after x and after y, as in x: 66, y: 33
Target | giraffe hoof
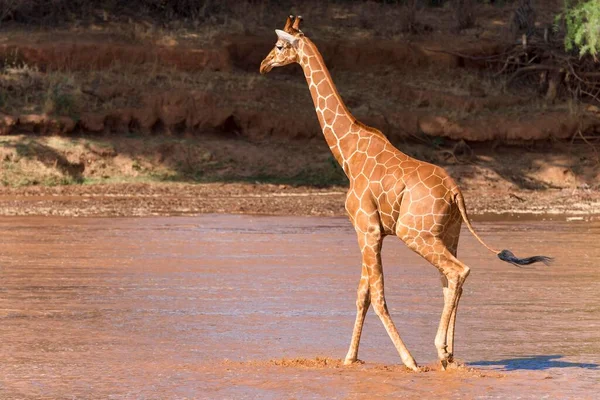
x: 415, y: 368
x: 350, y: 361
x: 410, y: 363
x: 445, y: 360
x: 444, y: 364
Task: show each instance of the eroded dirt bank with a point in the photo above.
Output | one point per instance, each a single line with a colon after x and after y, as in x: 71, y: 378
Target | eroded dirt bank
x: 262, y: 307
x: 101, y: 80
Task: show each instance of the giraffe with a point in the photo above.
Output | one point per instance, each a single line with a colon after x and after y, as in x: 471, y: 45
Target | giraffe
x: 390, y: 193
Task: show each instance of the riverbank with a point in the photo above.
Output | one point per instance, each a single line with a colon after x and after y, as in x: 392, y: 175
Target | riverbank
x: 164, y: 199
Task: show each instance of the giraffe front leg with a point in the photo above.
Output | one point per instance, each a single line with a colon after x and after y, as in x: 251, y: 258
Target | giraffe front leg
x: 363, y: 301
x: 370, y: 242
x: 380, y: 307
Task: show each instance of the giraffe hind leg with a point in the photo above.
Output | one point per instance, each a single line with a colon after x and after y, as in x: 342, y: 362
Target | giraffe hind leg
x: 454, y: 273
x: 450, y: 349
x: 450, y: 238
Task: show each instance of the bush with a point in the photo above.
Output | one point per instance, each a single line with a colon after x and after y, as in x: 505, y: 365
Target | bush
x: 582, y: 27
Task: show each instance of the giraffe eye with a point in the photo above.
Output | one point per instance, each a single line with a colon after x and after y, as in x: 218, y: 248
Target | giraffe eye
x: 279, y: 47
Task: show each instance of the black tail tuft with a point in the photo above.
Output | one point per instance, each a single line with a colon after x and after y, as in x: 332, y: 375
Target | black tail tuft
x: 508, y: 256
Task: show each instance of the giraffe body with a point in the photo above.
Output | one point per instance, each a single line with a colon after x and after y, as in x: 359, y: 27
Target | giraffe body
x: 390, y: 194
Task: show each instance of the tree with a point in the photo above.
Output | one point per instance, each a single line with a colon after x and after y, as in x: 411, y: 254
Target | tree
x: 7, y: 7
x: 582, y: 26
x: 523, y: 19
x: 411, y: 15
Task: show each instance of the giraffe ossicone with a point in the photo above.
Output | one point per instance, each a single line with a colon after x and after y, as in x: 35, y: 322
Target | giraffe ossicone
x: 390, y: 194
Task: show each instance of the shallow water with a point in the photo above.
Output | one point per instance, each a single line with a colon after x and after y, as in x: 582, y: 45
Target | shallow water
x: 195, y: 307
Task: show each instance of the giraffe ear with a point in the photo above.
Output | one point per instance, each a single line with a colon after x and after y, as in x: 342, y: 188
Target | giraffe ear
x: 291, y: 39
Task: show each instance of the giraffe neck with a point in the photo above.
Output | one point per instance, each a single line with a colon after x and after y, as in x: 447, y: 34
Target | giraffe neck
x: 340, y: 128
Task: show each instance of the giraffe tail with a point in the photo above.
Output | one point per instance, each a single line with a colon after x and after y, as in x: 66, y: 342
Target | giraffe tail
x: 504, y: 255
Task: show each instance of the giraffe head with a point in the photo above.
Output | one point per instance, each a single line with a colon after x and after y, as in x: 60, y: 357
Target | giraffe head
x: 286, y: 48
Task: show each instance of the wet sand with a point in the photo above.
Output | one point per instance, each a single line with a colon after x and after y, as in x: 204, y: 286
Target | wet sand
x: 184, y: 199
x: 208, y: 306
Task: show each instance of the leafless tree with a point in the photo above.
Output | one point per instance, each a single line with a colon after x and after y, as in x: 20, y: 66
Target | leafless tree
x: 464, y: 13
x: 411, y: 15
x: 523, y: 19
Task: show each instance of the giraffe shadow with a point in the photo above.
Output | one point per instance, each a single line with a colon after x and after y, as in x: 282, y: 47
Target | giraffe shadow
x: 534, y: 363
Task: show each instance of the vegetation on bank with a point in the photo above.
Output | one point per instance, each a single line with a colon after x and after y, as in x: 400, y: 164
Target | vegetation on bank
x: 582, y: 26
x: 27, y: 160
x: 532, y: 75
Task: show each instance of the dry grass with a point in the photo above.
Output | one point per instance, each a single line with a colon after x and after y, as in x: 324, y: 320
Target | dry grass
x: 26, y: 90
x: 51, y: 160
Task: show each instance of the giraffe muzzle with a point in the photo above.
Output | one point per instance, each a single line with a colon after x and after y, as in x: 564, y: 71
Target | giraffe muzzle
x: 265, y: 67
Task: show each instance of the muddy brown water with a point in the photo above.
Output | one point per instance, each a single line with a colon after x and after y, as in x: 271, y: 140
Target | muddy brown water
x: 203, y: 307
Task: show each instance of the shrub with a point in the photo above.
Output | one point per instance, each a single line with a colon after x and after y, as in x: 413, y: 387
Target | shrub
x: 582, y: 27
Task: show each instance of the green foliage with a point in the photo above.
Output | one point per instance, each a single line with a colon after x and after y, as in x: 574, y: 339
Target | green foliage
x: 60, y: 102
x: 582, y: 26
